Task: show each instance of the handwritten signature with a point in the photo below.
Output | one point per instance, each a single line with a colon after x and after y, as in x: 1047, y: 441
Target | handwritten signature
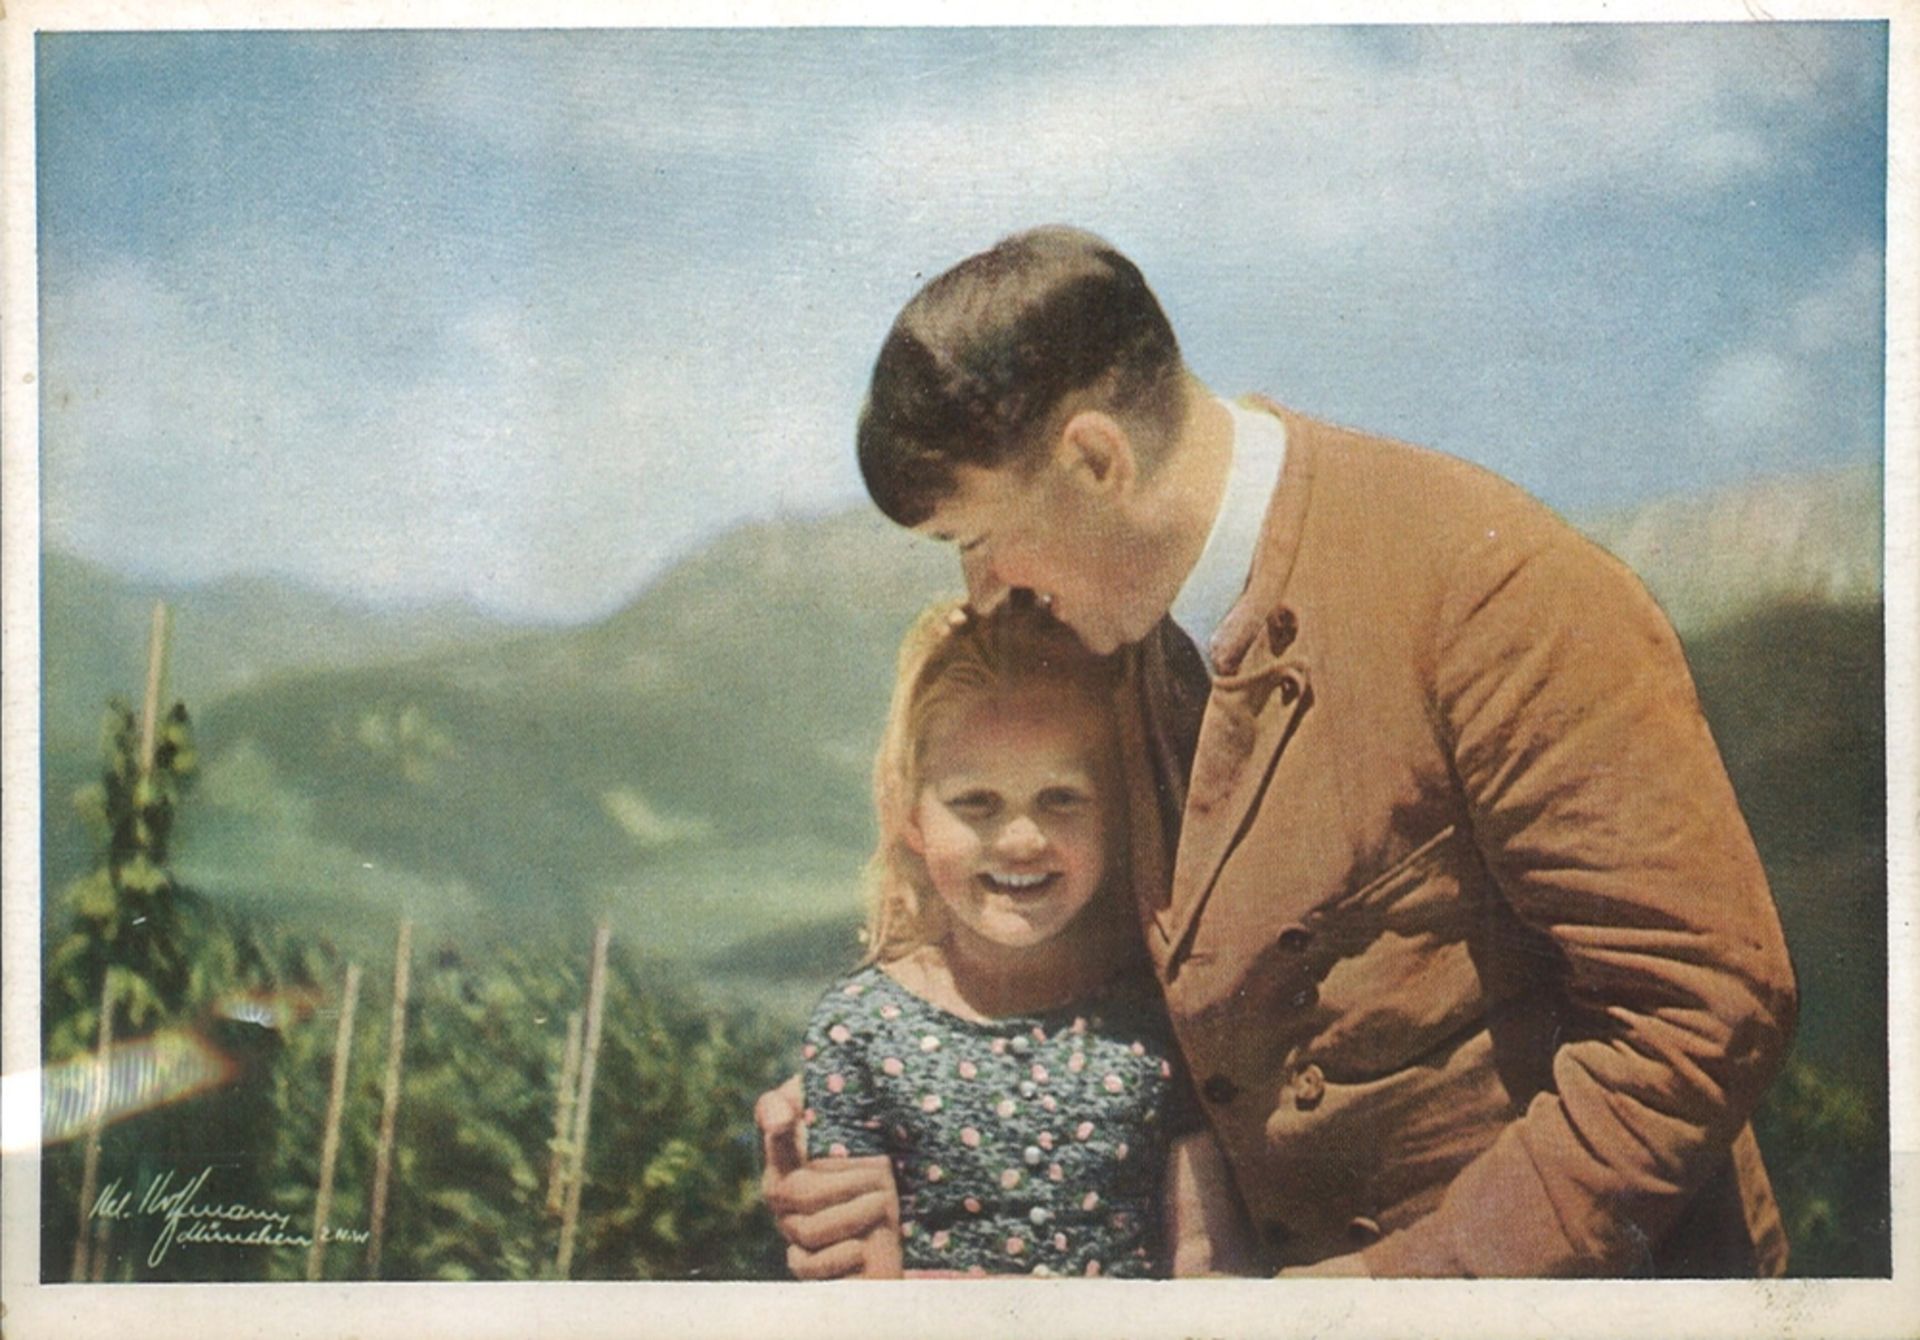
x: 186, y: 1218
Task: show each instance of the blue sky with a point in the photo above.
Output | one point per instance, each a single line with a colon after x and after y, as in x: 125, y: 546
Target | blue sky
x: 520, y: 318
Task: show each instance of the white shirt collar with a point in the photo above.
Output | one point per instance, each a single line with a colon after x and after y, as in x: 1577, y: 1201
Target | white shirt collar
x: 1218, y: 578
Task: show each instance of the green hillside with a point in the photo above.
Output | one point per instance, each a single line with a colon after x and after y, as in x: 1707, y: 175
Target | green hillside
x: 1796, y: 697
x: 695, y: 769
x: 233, y: 633
x: 695, y: 766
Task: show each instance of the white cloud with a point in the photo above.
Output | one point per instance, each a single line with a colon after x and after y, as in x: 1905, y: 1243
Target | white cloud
x: 1808, y: 376
x: 155, y: 422
x: 1309, y: 137
x: 528, y: 379
x: 1847, y: 311
x: 1753, y: 394
x: 539, y: 460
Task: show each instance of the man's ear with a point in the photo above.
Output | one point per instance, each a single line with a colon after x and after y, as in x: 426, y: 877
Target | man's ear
x: 1095, y: 450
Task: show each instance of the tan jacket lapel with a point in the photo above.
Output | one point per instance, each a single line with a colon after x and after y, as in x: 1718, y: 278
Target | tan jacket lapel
x: 1262, y: 687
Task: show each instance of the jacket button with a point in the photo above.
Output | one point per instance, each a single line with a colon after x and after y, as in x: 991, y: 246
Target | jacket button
x: 1281, y: 629
x: 1220, y: 1089
x: 1294, y: 939
x: 1289, y: 689
x: 1309, y: 1086
x: 1363, y: 1232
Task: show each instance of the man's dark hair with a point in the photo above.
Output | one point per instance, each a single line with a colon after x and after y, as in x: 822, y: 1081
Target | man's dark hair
x: 979, y: 364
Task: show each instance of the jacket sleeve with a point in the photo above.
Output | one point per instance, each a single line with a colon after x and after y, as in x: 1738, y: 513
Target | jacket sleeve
x: 1605, y: 817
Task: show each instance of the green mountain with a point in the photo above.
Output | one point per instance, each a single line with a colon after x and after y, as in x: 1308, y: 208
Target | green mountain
x: 227, y: 635
x: 695, y: 765
x: 695, y: 768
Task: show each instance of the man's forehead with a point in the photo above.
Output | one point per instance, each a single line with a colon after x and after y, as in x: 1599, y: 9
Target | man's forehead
x: 980, y: 498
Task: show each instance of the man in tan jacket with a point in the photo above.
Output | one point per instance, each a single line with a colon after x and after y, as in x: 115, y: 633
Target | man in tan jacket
x: 1461, y: 929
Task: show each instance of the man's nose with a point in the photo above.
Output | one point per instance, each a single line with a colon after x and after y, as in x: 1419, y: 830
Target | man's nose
x: 985, y: 589
x: 1021, y: 838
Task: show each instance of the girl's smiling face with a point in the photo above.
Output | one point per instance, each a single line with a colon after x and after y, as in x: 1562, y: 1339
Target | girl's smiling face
x: 1016, y: 812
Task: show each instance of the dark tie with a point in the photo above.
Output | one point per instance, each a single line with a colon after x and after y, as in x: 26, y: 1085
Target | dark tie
x: 1175, y: 689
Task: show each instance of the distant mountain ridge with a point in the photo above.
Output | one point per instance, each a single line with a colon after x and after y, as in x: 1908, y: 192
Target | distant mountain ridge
x: 1714, y: 557
x: 696, y: 764
x: 1707, y: 558
x: 230, y: 634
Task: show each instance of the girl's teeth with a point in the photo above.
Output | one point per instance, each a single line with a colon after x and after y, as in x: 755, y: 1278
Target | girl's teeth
x: 1017, y: 881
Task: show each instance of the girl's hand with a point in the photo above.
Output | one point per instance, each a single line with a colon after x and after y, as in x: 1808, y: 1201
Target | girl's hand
x: 840, y: 1216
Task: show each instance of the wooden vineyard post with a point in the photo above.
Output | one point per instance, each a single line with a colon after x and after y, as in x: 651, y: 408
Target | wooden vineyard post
x: 336, y: 1102
x: 156, y: 672
x: 563, y: 1118
x: 390, y: 1095
x: 576, y: 1172
x: 96, y: 1122
x: 97, y: 1115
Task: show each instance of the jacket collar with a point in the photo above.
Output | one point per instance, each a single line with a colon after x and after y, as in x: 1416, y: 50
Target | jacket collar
x: 1274, y: 555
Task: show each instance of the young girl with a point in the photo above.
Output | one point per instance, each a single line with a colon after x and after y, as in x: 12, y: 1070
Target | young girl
x: 1004, y: 1043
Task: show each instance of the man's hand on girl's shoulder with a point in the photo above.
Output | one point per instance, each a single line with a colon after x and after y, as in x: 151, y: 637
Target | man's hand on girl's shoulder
x: 840, y: 1216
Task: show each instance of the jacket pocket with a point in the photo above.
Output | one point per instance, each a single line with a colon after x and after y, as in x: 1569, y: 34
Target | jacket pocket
x: 1398, y: 975
x: 1426, y: 887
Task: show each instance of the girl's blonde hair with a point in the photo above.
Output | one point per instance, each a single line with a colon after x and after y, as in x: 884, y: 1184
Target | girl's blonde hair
x: 951, y: 655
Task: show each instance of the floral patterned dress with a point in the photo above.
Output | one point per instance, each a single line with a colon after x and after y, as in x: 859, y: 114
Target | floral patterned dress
x: 1033, y: 1144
